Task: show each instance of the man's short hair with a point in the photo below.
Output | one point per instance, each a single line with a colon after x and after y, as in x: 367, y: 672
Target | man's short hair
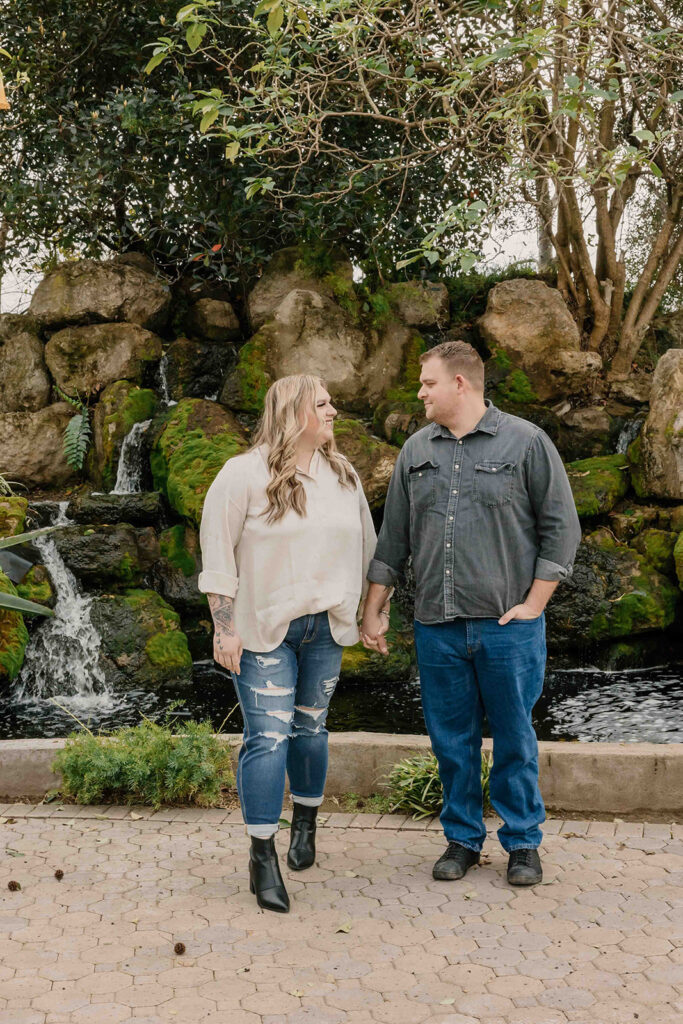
x: 460, y: 358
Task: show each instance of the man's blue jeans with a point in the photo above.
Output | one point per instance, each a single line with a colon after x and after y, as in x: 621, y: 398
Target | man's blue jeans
x: 284, y: 695
x: 472, y: 667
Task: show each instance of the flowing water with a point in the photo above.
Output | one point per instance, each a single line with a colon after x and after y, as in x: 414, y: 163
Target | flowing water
x: 62, y: 657
x: 163, y: 381
x: 129, y: 473
x: 628, y: 434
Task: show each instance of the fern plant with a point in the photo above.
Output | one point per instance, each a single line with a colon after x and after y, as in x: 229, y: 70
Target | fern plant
x: 78, y: 433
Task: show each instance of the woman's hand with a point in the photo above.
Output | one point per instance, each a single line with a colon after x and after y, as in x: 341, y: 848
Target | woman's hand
x: 374, y: 627
x: 227, y: 650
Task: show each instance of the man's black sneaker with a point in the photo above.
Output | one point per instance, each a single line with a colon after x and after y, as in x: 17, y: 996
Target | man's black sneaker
x: 524, y: 867
x: 454, y: 863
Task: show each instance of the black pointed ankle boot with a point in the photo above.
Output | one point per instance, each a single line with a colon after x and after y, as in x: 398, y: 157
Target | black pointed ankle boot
x: 265, y: 879
x: 302, y: 837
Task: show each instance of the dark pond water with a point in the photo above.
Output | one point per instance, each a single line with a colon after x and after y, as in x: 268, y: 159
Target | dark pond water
x: 578, y: 703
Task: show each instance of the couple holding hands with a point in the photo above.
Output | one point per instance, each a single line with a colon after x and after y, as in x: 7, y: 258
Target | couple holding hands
x: 481, y: 502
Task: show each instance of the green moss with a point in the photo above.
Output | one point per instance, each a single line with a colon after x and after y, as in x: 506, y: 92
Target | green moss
x: 402, y: 398
x: 344, y: 294
x: 678, y: 559
x: 516, y: 388
x: 658, y: 547
x: 172, y: 544
x: 629, y: 522
x: 250, y: 379
x: 648, y: 603
x: 13, y: 636
x: 12, y: 515
x: 598, y: 483
x: 361, y: 664
x: 501, y: 359
x: 169, y: 650
x: 127, y: 570
x: 671, y: 519
x: 36, y: 586
x: 195, y: 440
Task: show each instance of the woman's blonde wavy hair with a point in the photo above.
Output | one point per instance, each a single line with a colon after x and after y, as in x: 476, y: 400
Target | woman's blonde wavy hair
x: 280, y: 429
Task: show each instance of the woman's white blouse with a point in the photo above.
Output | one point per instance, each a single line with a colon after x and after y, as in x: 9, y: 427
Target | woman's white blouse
x: 295, y: 566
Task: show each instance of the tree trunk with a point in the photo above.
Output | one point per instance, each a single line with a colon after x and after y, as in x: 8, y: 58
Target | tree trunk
x: 544, y: 221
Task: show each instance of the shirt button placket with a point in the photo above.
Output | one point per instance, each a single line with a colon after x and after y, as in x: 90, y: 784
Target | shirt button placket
x: 449, y: 567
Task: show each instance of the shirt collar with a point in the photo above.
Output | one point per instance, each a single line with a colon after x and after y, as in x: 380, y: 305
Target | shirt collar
x: 488, y: 424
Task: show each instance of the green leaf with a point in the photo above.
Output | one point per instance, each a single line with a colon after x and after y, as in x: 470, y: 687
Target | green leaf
x: 572, y: 81
x: 208, y: 119
x: 644, y: 135
x: 266, y: 6
x: 231, y: 151
x: 20, y: 604
x: 22, y: 538
x: 154, y: 62
x: 676, y: 97
x: 194, y: 35
x: 275, y: 19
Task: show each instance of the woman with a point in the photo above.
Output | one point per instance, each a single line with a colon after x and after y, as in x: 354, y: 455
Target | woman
x: 286, y: 541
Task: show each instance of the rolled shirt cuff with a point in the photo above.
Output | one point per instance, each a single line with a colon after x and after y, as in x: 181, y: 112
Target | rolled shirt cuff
x: 552, y: 571
x: 211, y: 582
x: 380, y: 572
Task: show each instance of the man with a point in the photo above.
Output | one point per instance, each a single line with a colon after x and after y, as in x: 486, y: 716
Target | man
x: 481, y: 501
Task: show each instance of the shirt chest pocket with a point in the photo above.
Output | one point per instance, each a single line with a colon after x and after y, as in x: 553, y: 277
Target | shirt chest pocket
x: 422, y: 485
x: 493, y: 483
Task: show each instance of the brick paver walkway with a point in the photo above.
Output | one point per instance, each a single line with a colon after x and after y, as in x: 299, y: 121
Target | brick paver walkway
x: 371, y: 937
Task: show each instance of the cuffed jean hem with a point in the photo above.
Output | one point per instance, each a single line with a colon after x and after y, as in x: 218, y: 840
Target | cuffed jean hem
x: 262, y: 831
x: 468, y: 846
x: 520, y: 846
x: 307, y: 801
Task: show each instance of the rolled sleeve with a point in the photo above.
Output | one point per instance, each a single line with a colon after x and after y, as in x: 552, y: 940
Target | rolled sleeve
x: 393, y: 543
x: 223, y: 518
x: 557, y: 523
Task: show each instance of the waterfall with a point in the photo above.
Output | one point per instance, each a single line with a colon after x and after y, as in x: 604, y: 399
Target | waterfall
x: 62, y: 657
x: 129, y: 474
x: 163, y: 381
x: 628, y: 434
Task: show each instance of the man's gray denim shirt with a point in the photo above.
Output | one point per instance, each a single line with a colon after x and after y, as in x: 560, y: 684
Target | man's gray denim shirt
x: 481, y: 516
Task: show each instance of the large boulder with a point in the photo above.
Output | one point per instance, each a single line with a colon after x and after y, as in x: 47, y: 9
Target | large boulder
x: 289, y: 270
x: 32, y: 446
x: 213, y: 319
x: 420, y: 303
x: 24, y: 382
x: 86, y: 292
x: 597, y: 484
x: 527, y: 324
x: 614, y: 592
x: 657, y: 454
x: 400, y: 413
x: 108, y: 555
x: 121, y: 405
x: 83, y: 360
x: 13, y: 636
x: 195, y: 369
x: 191, y: 442
x: 373, y: 460
x: 142, y: 643
x: 177, y: 570
x: 658, y: 547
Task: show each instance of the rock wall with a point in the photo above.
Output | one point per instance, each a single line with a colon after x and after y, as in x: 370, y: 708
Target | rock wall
x: 136, y: 350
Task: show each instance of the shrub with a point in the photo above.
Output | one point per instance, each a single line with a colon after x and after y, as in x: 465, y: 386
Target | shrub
x: 149, y: 763
x: 416, y: 787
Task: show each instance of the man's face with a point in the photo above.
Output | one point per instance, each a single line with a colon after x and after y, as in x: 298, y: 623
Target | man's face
x: 440, y: 392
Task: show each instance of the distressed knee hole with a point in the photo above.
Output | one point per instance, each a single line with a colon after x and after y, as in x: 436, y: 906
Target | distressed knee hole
x: 328, y: 685
x: 279, y: 738
x: 315, y: 713
x: 271, y: 690
x: 283, y: 716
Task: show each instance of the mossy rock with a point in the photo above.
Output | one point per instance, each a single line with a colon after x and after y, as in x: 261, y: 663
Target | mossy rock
x: 12, y: 515
x: 246, y: 386
x: 108, y: 555
x: 373, y: 460
x: 627, y: 523
x: 598, y: 484
x: 176, y: 573
x: 121, y: 405
x: 671, y: 519
x: 658, y: 547
x: 142, y: 642
x: 36, y: 586
x: 614, y: 592
x: 192, y: 442
x: 13, y: 636
x: 359, y: 664
x: 401, y: 413
x: 678, y: 559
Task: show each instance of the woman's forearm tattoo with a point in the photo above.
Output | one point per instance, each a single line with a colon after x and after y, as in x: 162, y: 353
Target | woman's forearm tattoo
x: 221, y: 610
